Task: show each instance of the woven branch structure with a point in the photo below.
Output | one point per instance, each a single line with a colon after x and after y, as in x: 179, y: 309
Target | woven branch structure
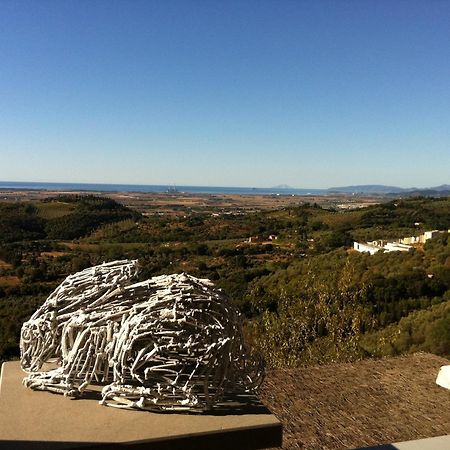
x: 170, y: 342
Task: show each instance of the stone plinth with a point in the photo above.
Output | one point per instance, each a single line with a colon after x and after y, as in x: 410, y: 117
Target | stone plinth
x: 41, y: 420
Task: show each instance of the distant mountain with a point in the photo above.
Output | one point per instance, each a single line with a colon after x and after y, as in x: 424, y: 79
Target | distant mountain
x: 282, y: 186
x: 441, y: 190
x: 442, y: 187
x: 368, y: 189
x: 431, y: 192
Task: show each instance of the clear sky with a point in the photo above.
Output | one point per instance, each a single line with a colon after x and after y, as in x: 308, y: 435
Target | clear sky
x: 225, y: 93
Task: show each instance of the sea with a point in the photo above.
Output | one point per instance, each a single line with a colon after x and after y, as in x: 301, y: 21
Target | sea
x: 98, y: 187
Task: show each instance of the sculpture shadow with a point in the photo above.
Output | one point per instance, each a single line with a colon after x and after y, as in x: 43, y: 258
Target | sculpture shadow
x: 238, y: 404
x: 232, y: 404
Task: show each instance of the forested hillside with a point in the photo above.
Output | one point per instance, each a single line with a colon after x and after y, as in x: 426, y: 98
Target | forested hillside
x: 305, y: 294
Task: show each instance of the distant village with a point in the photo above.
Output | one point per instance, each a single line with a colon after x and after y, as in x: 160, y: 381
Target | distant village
x: 399, y: 245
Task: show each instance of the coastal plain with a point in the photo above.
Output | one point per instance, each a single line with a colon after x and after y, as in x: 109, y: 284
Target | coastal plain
x: 179, y: 203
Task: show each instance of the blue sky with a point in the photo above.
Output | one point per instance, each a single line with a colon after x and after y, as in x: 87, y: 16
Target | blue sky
x: 226, y: 93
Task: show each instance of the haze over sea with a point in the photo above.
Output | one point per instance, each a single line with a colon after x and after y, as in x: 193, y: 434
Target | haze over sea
x: 98, y: 187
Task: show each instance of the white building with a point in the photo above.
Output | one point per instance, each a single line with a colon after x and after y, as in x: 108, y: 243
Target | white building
x: 378, y: 243
x: 430, y: 234
x: 396, y: 247
x: 410, y: 240
x: 372, y: 249
x: 402, y: 245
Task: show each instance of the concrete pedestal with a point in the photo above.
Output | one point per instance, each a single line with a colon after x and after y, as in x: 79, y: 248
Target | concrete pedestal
x: 42, y: 420
x: 443, y: 378
x: 435, y: 443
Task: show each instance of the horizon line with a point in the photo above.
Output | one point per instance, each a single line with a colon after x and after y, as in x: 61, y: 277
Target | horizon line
x: 280, y: 187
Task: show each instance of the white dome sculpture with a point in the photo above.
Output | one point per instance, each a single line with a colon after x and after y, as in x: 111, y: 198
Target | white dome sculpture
x: 170, y: 342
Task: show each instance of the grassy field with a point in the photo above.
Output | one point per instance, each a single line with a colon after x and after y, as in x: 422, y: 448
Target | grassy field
x: 9, y: 280
x: 54, y: 209
x: 4, y: 265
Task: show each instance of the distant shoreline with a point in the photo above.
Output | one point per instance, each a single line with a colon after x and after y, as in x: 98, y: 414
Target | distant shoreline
x: 99, y: 187
x: 357, y: 190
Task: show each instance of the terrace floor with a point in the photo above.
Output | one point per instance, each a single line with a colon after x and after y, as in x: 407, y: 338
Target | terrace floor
x: 371, y: 402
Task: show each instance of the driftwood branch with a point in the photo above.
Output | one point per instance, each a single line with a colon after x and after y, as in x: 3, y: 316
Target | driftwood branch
x: 170, y: 342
